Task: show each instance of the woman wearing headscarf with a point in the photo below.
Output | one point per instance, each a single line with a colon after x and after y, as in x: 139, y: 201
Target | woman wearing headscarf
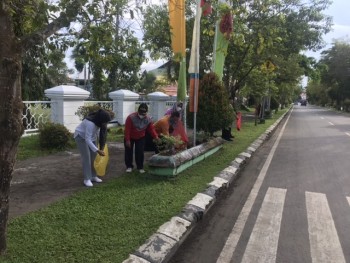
x: 172, y: 125
x: 85, y: 135
x: 179, y: 129
x: 178, y: 106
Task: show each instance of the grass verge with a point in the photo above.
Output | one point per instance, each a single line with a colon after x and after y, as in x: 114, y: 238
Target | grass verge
x: 106, y: 223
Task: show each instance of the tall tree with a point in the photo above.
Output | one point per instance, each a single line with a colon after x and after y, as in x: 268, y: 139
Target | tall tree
x: 23, y: 25
x: 43, y: 68
x: 272, y: 31
x: 263, y: 31
x: 108, y: 46
x: 333, y: 75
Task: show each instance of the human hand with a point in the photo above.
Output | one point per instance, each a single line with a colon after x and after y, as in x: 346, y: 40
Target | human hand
x: 128, y: 144
x: 102, y: 153
x: 157, y: 140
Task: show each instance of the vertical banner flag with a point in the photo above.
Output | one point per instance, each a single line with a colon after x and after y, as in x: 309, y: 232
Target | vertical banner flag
x: 193, y: 69
x: 178, y: 42
x: 223, y: 31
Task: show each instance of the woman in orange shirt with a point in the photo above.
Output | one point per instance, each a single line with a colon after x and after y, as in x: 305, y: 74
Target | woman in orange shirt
x: 171, y: 125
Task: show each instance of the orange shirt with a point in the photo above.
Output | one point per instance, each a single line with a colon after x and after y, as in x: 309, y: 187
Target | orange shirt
x: 162, y: 126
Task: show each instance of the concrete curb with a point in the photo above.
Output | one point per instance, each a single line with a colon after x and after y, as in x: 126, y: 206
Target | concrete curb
x: 162, y: 245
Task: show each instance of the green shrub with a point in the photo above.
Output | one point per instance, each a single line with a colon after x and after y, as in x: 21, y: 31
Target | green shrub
x: 347, y: 105
x: 274, y: 104
x: 84, y: 111
x: 214, y: 109
x: 168, y: 145
x: 54, y: 136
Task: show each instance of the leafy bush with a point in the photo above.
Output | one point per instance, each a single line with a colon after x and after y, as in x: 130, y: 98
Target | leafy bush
x: 214, y: 109
x: 84, y: 111
x: 274, y: 104
x: 54, y: 136
x: 169, y: 145
x: 347, y: 105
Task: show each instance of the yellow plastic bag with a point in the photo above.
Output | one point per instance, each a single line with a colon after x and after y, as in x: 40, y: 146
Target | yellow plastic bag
x: 101, y: 162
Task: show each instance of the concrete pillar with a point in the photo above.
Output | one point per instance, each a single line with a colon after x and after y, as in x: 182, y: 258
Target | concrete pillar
x: 65, y: 101
x: 123, y: 103
x: 158, y: 101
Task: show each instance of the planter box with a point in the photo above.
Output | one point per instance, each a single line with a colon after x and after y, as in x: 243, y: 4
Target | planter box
x: 170, y: 166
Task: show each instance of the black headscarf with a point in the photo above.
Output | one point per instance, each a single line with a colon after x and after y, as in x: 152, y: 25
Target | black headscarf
x: 100, y: 118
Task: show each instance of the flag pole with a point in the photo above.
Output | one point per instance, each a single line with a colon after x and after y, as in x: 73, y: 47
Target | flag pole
x: 195, y: 113
x: 196, y: 80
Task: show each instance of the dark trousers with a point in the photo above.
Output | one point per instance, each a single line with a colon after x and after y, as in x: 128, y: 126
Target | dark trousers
x: 226, y: 133
x: 139, y: 153
x: 150, y: 146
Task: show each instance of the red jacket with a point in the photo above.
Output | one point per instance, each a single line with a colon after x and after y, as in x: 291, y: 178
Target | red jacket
x: 135, y: 127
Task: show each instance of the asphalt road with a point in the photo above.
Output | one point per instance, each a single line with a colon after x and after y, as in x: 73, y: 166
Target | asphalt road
x: 291, y: 203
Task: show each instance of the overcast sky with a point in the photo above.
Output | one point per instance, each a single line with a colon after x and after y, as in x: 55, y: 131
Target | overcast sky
x: 340, y: 11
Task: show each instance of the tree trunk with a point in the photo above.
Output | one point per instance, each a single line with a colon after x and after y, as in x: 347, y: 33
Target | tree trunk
x: 11, y: 106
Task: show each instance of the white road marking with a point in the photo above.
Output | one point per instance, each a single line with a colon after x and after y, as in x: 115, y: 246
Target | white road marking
x: 263, y: 241
x: 348, y: 198
x: 324, y: 242
x: 331, y: 123
x: 232, y: 240
x: 348, y: 134
x: 322, y: 118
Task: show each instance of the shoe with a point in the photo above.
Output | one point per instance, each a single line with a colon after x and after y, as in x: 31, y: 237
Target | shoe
x: 88, y: 183
x: 96, y: 179
x: 228, y: 139
x: 129, y: 170
x: 141, y: 171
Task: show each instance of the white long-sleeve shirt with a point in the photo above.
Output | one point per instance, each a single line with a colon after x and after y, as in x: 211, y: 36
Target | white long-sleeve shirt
x: 89, y: 131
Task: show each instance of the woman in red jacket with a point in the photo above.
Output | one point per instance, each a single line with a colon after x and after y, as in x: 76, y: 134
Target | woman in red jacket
x: 136, y: 125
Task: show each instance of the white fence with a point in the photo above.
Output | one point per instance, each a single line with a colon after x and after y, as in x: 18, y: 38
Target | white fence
x: 34, y: 114
x: 66, y: 100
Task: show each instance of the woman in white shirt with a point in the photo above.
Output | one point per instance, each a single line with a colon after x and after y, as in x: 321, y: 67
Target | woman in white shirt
x: 85, y: 135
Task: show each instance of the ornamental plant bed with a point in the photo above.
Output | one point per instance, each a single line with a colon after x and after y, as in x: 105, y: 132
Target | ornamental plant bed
x: 172, y: 165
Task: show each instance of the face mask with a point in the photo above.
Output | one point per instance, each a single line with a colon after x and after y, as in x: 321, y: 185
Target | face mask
x: 178, y: 108
x: 141, y: 116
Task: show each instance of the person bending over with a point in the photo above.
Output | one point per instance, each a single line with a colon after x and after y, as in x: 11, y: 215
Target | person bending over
x: 85, y: 135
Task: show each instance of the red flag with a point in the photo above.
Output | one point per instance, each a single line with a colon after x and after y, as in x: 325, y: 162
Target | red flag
x: 206, y: 7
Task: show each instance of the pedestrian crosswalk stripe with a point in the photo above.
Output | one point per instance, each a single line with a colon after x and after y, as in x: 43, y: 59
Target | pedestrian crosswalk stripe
x: 232, y: 240
x: 263, y: 241
x: 348, y: 198
x: 324, y: 242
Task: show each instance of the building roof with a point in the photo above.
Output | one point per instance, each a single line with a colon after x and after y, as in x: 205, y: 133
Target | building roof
x: 170, y: 90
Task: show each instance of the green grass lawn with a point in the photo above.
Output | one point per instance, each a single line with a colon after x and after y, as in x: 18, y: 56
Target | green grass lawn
x: 106, y: 223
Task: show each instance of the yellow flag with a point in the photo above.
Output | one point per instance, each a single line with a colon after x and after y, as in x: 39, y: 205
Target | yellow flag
x: 177, y: 27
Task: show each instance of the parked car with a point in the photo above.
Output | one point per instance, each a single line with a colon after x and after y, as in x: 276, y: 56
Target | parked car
x: 303, y: 103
